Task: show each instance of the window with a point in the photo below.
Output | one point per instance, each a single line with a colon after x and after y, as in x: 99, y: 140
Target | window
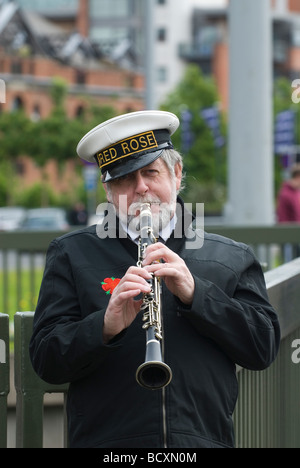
x: 161, y: 74
x: 296, y: 37
x: 161, y: 34
x: 16, y: 67
x: 36, y: 113
x: 108, y: 8
x: 17, y: 104
x: 80, y: 111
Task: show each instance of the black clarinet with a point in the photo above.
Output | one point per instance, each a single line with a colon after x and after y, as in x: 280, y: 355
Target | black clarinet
x: 153, y: 373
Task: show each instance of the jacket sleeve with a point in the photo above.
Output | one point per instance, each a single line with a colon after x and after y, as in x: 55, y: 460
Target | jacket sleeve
x: 65, y: 345
x: 244, y: 324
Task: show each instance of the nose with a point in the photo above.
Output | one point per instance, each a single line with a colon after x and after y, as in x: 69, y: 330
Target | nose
x: 141, y: 186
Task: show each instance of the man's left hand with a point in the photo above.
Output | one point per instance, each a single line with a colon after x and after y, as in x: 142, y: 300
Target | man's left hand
x: 173, y: 270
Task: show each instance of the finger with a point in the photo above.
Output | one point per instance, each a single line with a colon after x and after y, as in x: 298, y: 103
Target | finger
x: 158, y: 254
x: 137, y: 271
x: 132, y: 286
x: 154, y: 253
x: 129, y: 278
x: 124, y: 296
x: 163, y: 269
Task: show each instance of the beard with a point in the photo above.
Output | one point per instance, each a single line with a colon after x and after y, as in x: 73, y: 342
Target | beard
x: 162, y: 212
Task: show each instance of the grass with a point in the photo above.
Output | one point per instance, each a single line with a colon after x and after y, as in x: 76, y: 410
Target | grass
x: 19, y: 292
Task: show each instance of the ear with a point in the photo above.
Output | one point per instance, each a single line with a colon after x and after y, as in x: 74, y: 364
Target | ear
x: 178, y: 175
x: 106, y: 191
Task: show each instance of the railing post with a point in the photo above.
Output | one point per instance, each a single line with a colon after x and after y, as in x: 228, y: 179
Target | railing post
x: 4, y: 377
x: 29, y: 398
x: 30, y: 389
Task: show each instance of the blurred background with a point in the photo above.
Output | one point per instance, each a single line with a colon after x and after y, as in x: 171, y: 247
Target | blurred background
x: 230, y: 70
x: 67, y: 65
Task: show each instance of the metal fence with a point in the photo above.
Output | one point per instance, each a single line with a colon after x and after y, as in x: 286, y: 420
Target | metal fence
x: 22, y: 256
x: 268, y: 411
x: 30, y: 389
x: 4, y: 377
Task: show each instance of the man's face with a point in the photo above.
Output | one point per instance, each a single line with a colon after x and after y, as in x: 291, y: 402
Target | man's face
x: 153, y: 184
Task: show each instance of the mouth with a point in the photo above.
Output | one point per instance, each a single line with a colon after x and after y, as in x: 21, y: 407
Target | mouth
x: 135, y: 208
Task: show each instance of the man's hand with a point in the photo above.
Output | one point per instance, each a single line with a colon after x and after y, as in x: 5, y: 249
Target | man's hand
x: 122, y: 307
x: 174, y: 271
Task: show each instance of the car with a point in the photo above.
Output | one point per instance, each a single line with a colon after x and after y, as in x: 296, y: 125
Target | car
x: 11, y: 217
x: 45, y: 219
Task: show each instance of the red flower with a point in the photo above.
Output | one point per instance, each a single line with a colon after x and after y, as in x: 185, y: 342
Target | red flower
x: 109, y: 284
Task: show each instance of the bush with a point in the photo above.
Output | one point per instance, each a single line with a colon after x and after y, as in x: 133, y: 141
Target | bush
x: 36, y: 195
x: 211, y: 194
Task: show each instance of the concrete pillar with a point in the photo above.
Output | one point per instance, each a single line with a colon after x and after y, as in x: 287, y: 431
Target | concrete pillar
x: 251, y: 192
x: 149, y: 55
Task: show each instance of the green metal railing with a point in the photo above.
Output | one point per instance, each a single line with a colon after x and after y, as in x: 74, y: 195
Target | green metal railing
x: 22, y: 258
x: 24, y: 252
x: 30, y: 389
x: 4, y: 377
x: 268, y: 411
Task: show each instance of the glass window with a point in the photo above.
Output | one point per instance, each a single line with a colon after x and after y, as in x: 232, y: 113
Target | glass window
x: 161, y: 74
x: 108, y: 8
x: 46, y: 6
x: 108, y: 36
x: 161, y: 34
x: 296, y: 37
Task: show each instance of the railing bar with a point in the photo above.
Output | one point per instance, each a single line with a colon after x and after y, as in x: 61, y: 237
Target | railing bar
x: 32, y: 280
x: 5, y: 282
x: 19, y: 280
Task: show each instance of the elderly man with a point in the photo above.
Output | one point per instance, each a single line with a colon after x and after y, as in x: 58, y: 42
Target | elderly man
x: 88, y: 323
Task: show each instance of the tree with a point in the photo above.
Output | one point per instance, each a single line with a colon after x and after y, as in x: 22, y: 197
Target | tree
x: 15, y: 135
x: 204, y: 163
x: 55, y: 137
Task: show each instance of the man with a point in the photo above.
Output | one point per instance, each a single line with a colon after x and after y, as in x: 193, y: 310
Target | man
x: 288, y: 206
x: 88, y: 323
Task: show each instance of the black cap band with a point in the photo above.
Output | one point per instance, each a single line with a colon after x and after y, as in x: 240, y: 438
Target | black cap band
x: 131, y: 148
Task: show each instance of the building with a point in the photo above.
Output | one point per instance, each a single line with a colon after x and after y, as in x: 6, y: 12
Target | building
x: 208, y: 42
x: 118, y: 29
x: 184, y: 32
x: 33, y: 50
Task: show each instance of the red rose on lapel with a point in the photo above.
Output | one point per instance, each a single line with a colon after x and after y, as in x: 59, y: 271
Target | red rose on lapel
x: 109, y: 284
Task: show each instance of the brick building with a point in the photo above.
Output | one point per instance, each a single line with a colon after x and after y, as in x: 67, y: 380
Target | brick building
x: 34, y: 51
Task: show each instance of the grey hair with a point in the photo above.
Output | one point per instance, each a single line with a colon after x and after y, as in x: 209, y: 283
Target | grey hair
x: 171, y: 157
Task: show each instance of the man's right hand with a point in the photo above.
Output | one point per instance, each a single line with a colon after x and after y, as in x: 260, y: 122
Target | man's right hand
x: 122, y: 307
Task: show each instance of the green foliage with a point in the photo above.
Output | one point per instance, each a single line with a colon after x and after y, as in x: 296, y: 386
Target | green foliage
x: 3, y: 188
x: 15, y: 134
x: 36, y: 195
x: 203, y: 162
x: 212, y: 194
x: 29, y: 292
x: 58, y: 92
x: 55, y: 137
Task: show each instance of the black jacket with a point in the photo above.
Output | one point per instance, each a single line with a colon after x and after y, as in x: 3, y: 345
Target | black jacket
x: 230, y: 322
